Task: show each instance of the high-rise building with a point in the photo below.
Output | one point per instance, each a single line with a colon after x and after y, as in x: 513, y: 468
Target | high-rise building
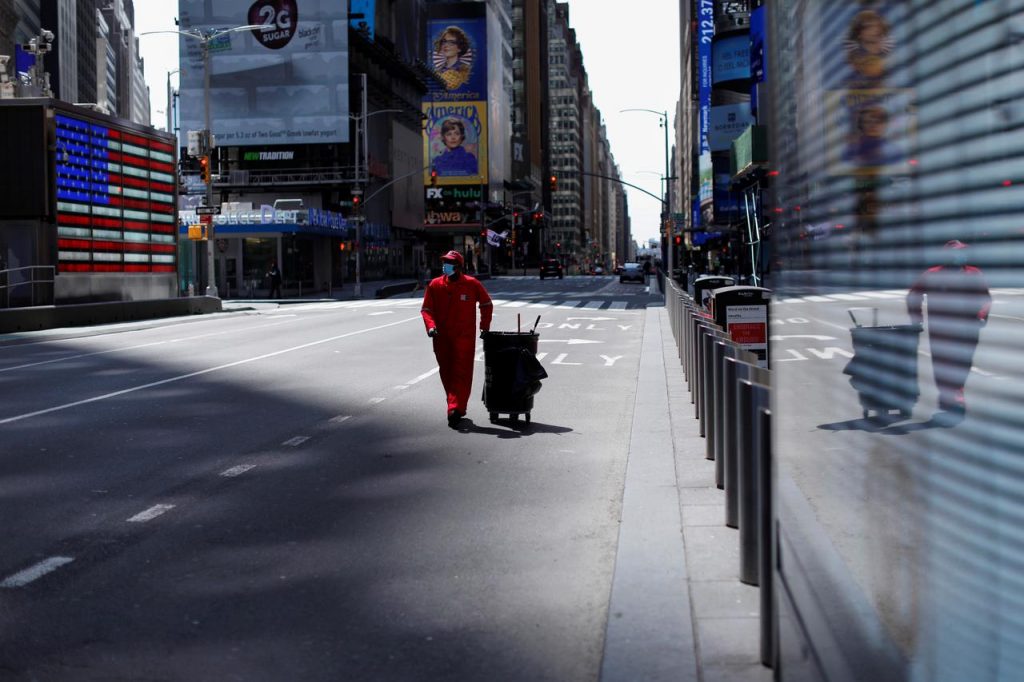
x: 565, y: 71
x: 86, y: 36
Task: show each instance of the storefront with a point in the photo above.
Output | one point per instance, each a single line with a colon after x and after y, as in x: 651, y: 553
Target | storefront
x: 314, y: 249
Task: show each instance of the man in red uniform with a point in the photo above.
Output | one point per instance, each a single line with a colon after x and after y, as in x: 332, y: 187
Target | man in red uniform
x: 449, y: 313
x: 958, y: 304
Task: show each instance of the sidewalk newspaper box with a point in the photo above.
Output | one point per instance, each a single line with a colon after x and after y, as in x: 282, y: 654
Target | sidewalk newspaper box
x: 742, y: 311
x: 703, y: 286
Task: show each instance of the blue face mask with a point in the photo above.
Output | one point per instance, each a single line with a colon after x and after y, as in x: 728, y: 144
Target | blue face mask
x: 448, y: 269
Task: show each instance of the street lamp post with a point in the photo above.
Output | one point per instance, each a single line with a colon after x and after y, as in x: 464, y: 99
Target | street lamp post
x: 666, y: 199
x: 362, y: 178
x: 204, y: 41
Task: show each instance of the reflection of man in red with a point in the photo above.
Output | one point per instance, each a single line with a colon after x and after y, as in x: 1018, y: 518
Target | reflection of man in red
x: 449, y: 313
x: 958, y: 304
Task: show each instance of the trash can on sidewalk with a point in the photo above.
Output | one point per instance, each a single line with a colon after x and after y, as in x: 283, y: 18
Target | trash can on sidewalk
x: 512, y: 373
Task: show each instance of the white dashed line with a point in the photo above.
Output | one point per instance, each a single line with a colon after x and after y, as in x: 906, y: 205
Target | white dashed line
x: 237, y: 470
x: 22, y: 578
x: 340, y: 419
x: 425, y: 375
x: 295, y: 442
x: 151, y: 513
x: 377, y: 401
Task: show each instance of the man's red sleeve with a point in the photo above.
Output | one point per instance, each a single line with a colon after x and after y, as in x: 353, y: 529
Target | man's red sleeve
x: 427, y: 311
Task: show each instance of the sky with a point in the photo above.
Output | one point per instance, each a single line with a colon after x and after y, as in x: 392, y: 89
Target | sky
x: 631, y: 56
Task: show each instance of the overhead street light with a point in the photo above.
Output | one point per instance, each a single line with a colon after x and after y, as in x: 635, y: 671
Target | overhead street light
x: 204, y: 41
x: 667, y: 207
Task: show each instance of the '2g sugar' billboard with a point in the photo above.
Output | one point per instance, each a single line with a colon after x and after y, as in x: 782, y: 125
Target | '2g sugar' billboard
x: 278, y: 70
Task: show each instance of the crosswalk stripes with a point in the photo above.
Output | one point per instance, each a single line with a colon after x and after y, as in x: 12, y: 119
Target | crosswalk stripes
x: 520, y: 301
x: 885, y: 294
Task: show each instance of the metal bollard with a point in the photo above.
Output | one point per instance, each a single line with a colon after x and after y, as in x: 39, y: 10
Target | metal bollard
x: 707, y: 421
x: 700, y: 372
x: 753, y: 397
x: 766, y: 524
x: 716, y: 436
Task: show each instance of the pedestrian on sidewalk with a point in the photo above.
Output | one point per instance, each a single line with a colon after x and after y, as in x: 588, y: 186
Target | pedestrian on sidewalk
x: 958, y: 302
x: 449, y: 313
x: 274, y: 275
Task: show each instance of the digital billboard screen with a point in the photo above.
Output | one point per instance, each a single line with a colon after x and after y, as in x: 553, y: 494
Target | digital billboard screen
x: 283, y: 82
x: 115, y: 198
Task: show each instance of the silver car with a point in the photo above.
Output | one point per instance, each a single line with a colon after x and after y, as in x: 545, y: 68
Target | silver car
x: 632, y: 272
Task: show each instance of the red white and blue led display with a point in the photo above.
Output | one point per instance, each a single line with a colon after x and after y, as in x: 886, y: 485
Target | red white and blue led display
x: 115, y: 199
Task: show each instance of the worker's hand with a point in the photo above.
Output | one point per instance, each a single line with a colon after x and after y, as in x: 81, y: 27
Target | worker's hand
x: 432, y: 332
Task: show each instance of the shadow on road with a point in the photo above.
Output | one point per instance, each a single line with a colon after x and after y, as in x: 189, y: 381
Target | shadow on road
x: 513, y: 429
x: 891, y: 425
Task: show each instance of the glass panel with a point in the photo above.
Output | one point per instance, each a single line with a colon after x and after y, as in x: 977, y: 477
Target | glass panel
x: 898, y: 131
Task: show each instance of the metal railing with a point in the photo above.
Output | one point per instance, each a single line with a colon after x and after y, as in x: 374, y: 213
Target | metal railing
x: 36, y: 277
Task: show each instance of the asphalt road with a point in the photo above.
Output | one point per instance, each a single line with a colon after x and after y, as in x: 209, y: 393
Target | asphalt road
x: 273, y: 493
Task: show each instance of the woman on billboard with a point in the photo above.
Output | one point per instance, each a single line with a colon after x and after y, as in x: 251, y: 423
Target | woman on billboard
x: 452, y: 57
x: 454, y: 160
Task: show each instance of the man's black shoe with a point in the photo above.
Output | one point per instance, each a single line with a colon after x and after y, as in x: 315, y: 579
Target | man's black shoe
x: 454, y: 417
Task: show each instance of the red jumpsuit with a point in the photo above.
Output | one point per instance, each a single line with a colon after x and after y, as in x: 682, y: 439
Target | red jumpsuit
x: 449, y: 305
x: 958, y: 305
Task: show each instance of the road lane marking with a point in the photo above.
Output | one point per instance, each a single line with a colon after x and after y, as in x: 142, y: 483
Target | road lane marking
x: 201, y: 372
x: 340, y: 419
x: 237, y: 470
x: 594, y: 305
x: 425, y: 375
x: 151, y: 513
x: 127, y: 348
x: 618, y: 305
x: 22, y: 578
x: 562, y: 356
x: 378, y: 400
x: 382, y: 312
x: 295, y: 442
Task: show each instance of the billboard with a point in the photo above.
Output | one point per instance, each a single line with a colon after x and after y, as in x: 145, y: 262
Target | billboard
x: 455, y: 142
x: 284, y: 82
x: 730, y: 58
x: 116, y: 198
x: 455, y: 133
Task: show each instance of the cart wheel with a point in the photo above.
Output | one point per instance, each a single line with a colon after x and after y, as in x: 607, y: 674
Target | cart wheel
x: 514, y: 417
x: 494, y: 417
x: 527, y: 417
x: 905, y: 413
x: 866, y: 414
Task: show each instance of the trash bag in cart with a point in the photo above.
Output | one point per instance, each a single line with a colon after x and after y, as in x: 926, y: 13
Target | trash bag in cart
x: 512, y: 373
x: 883, y: 369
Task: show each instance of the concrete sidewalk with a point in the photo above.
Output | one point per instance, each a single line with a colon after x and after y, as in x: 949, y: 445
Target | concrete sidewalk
x: 678, y: 610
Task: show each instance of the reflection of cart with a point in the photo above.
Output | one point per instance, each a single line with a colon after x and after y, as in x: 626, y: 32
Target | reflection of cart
x: 883, y: 369
x: 512, y: 373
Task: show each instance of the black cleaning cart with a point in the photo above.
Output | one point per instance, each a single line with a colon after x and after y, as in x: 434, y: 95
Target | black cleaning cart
x: 512, y: 373
x: 883, y: 369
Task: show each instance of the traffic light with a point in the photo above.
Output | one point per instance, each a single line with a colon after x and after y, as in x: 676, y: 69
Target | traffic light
x: 679, y: 239
x: 553, y: 182
x: 356, y: 200
x: 204, y: 169
x: 433, y: 176
x: 515, y: 217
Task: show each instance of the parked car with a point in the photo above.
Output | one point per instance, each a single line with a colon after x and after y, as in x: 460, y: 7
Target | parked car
x: 550, y: 267
x: 631, y: 272
x: 598, y: 270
